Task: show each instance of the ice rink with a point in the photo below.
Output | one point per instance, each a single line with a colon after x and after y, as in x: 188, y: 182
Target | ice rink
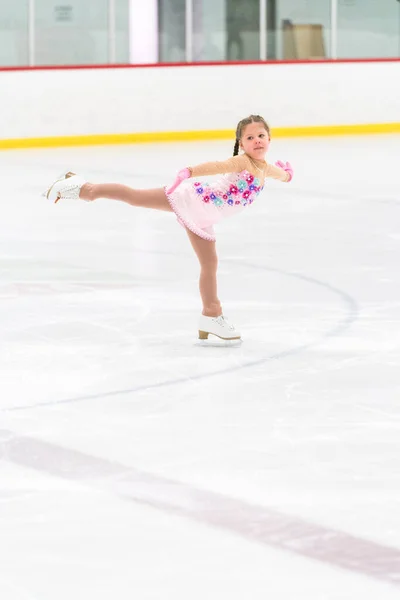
x: 138, y: 463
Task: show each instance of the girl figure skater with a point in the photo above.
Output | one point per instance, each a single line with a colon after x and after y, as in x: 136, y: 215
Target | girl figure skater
x: 199, y: 205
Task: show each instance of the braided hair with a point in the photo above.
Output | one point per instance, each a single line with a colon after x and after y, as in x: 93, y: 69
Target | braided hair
x: 242, y: 124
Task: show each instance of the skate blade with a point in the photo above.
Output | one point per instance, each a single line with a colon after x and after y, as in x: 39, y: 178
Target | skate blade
x: 216, y: 342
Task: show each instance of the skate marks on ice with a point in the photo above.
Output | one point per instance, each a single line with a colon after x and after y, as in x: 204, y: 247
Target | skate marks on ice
x: 252, y: 522
x: 349, y: 317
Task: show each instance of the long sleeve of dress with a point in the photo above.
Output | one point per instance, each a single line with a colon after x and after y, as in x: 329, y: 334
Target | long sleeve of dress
x: 235, y: 164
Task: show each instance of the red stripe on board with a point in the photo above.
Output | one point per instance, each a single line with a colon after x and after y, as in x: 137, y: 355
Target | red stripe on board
x: 201, y: 64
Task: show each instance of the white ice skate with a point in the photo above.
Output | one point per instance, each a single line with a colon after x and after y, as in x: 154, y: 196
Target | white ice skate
x: 218, y: 326
x: 65, y: 187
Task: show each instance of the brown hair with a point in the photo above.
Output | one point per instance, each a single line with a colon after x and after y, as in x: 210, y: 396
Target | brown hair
x: 242, y: 124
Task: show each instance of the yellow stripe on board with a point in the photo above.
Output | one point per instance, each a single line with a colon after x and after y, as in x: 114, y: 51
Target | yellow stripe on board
x: 329, y: 130
x: 177, y: 136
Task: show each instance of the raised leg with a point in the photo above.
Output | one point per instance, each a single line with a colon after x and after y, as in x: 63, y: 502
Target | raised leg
x: 153, y: 198
x: 208, y: 259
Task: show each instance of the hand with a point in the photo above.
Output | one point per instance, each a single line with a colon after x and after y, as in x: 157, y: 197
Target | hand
x: 286, y: 167
x: 182, y: 175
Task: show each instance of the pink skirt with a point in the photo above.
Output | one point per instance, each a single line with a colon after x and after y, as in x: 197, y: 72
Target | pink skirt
x: 193, y: 213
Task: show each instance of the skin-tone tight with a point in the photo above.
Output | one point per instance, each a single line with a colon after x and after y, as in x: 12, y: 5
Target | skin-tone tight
x: 156, y: 199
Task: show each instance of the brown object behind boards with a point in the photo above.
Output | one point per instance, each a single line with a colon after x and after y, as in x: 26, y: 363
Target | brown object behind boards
x: 302, y: 41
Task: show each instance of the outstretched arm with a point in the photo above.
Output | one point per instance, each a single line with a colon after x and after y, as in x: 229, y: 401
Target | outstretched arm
x: 232, y: 165
x: 235, y: 164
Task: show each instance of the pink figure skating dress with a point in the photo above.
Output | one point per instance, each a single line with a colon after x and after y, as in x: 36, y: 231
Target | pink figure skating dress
x: 199, y: 205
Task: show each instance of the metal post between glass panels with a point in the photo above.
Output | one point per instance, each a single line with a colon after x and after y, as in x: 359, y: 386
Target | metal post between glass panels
x: 189, y: 30
x: 263, y: 29
x: 31, y: 33
x: 111, y: 32
x: 334, y: 11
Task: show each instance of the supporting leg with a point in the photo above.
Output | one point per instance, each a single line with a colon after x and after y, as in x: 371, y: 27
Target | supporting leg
x: 208, y: 259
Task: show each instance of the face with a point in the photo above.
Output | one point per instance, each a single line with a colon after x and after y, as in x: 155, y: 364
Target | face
x: 255, y: 140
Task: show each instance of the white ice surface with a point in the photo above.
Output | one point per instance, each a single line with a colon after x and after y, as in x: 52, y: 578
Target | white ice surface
x: 103, y: 382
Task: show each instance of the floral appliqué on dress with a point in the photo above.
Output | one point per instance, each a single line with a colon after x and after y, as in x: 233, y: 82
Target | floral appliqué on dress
x: 243, y: 190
